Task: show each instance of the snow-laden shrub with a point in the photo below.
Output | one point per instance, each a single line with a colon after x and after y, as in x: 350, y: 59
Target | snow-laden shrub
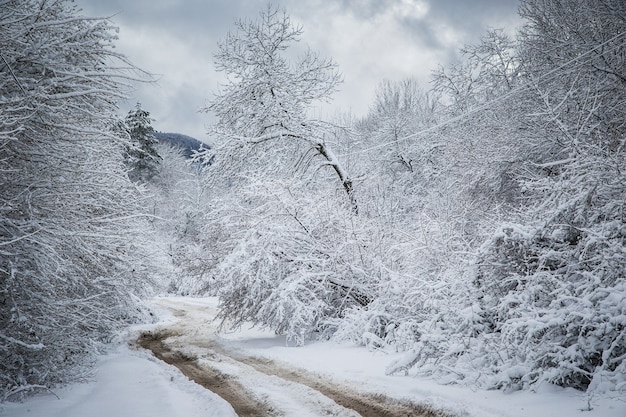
x: 559, y: 304
x: 263, y: 283
x: 422, y: 281
x: 445, y: 323
x: 291, y: 265
x: 376, y: 326
x: 550, y: 307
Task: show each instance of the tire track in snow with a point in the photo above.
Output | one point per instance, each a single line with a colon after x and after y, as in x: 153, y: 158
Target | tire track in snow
x: 224, y: 386
x: 260, y: 386
x: 207, y: 373
x: 367, y: 405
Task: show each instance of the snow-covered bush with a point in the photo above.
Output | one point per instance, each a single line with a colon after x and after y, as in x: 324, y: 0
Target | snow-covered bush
x: 291, y: 264
x: 552, y: 303
x: 541, y: 310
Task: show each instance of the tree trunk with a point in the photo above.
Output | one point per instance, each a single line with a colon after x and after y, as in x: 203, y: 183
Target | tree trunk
x: 343, y: 175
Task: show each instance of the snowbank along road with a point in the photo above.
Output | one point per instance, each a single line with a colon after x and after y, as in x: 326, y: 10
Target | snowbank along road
x: 257, y: 386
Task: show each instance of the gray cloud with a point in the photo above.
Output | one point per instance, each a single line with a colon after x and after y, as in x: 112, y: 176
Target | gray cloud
x: 473, y: 16
x: 369, y: 39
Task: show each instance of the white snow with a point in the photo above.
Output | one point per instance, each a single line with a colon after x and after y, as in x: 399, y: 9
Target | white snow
x: 129, y: 382
x: 365, y: 371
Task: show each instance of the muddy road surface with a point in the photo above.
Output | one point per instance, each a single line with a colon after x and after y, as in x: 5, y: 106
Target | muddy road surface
x: 262, y: 387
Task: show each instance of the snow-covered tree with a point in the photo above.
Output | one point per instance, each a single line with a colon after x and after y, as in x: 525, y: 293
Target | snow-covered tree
x: 281, y: 236
x: 564, y: 270
x: 291, y: 267
x: 180, y: 200
x: 546, y: 301
x: 70, y: 260
x: 141, y: 155
x: 486, y: 71
x: 391, y: 160
x: 262, y: 109
x: 400, y: 109
x: 482, y: 98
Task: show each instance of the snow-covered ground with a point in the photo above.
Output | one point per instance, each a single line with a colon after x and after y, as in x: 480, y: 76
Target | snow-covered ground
x: 127, y: 382
x: 130, y: 382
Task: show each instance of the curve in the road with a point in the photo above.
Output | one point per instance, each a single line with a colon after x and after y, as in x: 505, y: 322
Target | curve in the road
x: 231, y: 391
x: 245, y: 405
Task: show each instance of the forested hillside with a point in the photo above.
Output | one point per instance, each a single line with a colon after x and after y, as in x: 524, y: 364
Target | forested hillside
x: 177, y: 140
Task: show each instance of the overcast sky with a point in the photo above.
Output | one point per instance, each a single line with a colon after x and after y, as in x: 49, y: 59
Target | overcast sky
x: 370, y: 40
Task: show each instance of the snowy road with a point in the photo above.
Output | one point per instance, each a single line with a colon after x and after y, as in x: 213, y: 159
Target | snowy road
x: 255, y: 373
x: 256, y: 386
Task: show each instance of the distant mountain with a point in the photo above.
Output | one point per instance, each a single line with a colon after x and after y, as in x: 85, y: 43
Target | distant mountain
x: 186, y: 143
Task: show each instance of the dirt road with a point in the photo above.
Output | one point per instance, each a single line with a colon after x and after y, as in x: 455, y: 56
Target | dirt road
x: 263, y: 387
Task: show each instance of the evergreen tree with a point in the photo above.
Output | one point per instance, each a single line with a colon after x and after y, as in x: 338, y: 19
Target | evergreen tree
x: 141, y: 155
